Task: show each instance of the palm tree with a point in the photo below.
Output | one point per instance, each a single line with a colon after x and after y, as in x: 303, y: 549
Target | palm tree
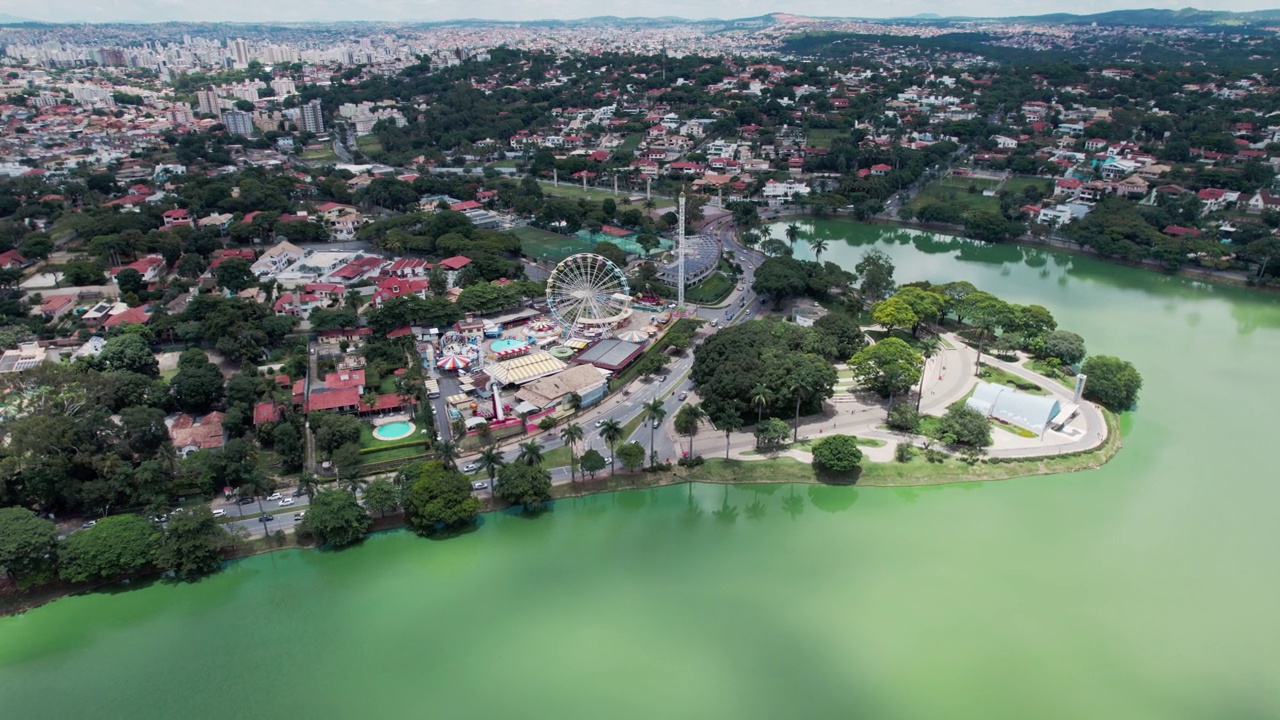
x: 571, y: 435
x: 688, y: 418
x: 491, y: 459
x: 308, y: 483
x: 929, y: 347
x: 819, y: 246
x: 654, y: 414
x: 798, y: 386
x: 354, y: 484
x: 760, y: 398
x: 793, y: 234
x: 611, y: 432
x: 446, y: 453
x: 728, y: 422
x: 530, y: 453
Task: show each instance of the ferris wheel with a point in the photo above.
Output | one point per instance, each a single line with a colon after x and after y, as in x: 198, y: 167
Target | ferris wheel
x: 588, y: 291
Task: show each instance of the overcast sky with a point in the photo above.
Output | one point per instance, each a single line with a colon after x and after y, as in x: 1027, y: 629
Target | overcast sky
x: 325, y: 10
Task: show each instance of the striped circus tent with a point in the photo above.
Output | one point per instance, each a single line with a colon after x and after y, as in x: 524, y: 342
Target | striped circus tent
x: 453, y: 362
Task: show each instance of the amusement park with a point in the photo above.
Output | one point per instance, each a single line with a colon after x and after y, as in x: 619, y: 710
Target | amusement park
x: 517, y: 368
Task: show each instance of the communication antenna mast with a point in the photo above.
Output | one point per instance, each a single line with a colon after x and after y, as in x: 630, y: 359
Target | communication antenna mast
x: 680, y: 255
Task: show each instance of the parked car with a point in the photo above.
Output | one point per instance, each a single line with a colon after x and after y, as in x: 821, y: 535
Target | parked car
x: 219, y: 513
x: 286, y: 502
x: 266, y: 518
x: 273, y: 496
x: 479, y: 485
x: 245, y: 501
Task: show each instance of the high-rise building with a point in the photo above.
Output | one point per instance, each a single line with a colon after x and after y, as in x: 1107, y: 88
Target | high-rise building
x: 283, y: 87
x: 208, y: 102
x: 312, y: 117
x: 180, y: 115
x: 238, y: 123
x: 240, y: 52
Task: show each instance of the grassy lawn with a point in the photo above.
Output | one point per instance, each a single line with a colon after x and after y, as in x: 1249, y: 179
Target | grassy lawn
x: 631, y: 142
x: 391, y: 454
x: 538, y: 244
x: 713, y: 288
x: 822, y: 138
x: 327, y: 155
x: 1018, y: 184
x: 508, y: 163
x: 955, y: 189
x: 388, y: 385
x: 573, y: 189
x: 1001, y: 376
x: 368, y: 144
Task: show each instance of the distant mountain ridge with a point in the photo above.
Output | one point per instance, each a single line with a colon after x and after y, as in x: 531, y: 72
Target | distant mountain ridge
x: 1144, y: 17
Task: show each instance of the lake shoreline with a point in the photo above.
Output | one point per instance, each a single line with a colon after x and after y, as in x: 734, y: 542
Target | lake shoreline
x: 716, y: 471
x: 1197, y: 274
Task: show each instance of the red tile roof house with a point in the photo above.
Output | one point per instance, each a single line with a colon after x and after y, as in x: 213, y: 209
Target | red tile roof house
x: 56, y: 306
x: 13, y: 259
x: 267, y: 412
x: 299, y: 304
x: 395, y: 287
x: 225, y: 255
x: 151, y: 268
x: 452, y: 266
x: 176, y: 217
x: 408, y: 268
x: 1179, y: 231
x: 356, y: 270
x: 190, y: 433
x: 140, y: 315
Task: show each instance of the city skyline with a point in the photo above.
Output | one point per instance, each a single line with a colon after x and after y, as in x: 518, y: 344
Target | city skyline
x: 148, y: 11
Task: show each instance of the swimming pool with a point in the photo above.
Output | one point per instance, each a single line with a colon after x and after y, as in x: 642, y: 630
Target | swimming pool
x: 393, y: 431
x: 504, y: 344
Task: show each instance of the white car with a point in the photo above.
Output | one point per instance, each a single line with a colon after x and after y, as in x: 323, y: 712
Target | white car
x: 286, y: 502
x: 600, y: 422
x: 219, y: 513
x: 471, y: 467
x: 273, y: 496
x: 479, y: 485
x: 299, y: 515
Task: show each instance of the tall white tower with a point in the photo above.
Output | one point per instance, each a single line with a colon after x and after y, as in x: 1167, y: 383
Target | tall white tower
x: 680, y: 255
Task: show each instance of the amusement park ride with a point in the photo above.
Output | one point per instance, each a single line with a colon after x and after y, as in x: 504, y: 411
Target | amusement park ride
x: 587, y: 297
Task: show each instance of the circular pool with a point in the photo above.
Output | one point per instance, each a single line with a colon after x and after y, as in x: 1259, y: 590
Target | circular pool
x: 393, y: 431
x: 505, y: 344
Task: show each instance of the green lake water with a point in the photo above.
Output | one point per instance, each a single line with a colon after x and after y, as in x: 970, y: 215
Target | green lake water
x: 1145, y: 589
